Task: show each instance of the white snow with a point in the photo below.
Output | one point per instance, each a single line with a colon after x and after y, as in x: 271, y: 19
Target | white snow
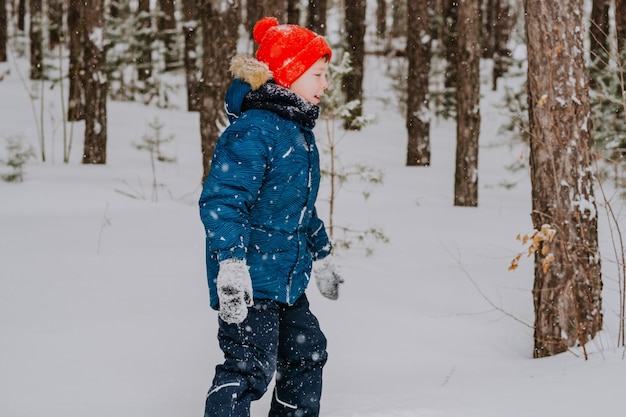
x: 104, y: 303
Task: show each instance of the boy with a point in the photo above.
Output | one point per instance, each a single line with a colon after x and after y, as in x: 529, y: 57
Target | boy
x: 263, y: 236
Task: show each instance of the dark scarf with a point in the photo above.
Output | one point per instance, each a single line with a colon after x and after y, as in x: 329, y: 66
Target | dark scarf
x: 283, y: 102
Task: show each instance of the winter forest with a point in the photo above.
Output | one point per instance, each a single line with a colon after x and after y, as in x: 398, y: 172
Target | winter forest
x: 97, y: 90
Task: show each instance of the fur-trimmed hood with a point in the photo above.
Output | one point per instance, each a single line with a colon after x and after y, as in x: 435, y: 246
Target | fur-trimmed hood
x: 250, y: 74
x: 250, y: 70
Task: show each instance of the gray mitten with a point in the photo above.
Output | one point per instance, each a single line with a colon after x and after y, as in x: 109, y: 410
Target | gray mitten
x: 234, y: 290
x: 327, y: 278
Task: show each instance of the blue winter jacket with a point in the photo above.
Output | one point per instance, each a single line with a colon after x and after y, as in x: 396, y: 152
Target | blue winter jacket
x: 258, y: 200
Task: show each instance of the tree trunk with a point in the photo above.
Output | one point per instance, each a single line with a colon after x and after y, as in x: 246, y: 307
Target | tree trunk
x: 502, y: 34
x: 218, y: 23
x: 144, y: 40
x: 257, y: 9
x: 114, y: 9
x: 36, y: 40
x: 3, y: 31
x: 568, y: 283
x: 599, y: 35
x: 55, y: 23
x: 355, y: 40
x: 96, y: 85
x: 293, y: 12
x: 381, y: 18
x: 418, y: 54
x: 190, y: 26
x: 488, y: 10
x: 167, y: 32
x: 450, y: 12
x: 620, y: 25
x: 398, y: 18
x: 316, y: 16
x: 75, y: 107
x: 468, y: 105
x: 21, y: 15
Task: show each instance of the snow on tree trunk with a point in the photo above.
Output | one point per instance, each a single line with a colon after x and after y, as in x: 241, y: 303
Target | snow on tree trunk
x: 95, y: 83
x: 467, y: 104
x: 220, y: 21
x: 418, y: 55
x: 568, y: 282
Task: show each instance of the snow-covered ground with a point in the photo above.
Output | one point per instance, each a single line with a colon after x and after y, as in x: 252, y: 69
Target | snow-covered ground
x: 104, y: 306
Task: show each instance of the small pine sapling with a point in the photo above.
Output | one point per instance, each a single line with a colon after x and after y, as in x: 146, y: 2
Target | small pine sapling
x: 18, y: 155
x: 152, y: 143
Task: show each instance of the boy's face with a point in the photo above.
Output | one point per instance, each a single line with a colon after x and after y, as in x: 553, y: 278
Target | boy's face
x: 312, y: 84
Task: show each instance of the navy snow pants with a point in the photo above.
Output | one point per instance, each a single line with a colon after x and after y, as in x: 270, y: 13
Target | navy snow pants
x: 274, y: 339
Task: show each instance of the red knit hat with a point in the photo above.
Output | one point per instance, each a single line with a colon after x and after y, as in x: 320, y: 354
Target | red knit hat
x: 288, y: 50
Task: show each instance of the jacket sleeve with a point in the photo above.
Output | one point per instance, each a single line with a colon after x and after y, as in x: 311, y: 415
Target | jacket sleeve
x: 319, y: 244
x: 229, y: 191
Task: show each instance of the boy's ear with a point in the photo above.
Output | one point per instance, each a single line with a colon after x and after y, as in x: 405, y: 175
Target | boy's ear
x: 250, y: 70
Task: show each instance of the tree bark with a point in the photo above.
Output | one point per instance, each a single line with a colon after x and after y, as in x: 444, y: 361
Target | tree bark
x: 468, y: 105
x: 75, y: 107
x: 190, y: 26
x: 36, y: 40
x: 355, y: 40
x: 568, y: 283
x: 96, y: 85
x: 418, y: 55
x: 218, y: 23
